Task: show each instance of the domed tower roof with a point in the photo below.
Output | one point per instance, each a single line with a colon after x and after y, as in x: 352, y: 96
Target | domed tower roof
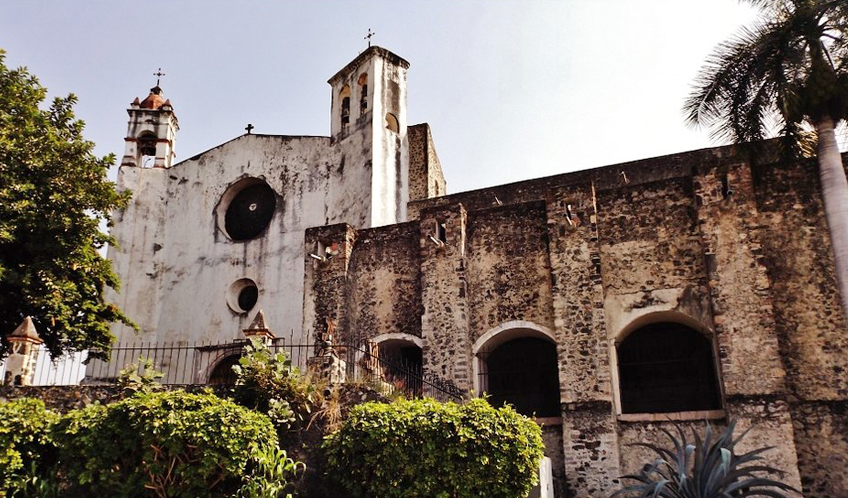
x: 155, y: 100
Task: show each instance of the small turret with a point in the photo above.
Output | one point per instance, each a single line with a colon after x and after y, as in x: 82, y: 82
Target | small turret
x: 151, y: 132
x: 20, y: 365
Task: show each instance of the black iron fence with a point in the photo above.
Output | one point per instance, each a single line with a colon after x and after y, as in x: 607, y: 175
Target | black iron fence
x: 211, y: 363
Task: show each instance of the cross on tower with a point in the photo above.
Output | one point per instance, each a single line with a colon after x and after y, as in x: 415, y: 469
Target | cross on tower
x: 368, y: 37
x: 249, y: 128
x: 158, y: 75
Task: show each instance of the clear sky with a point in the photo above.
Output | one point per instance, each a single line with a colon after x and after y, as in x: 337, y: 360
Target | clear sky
x: 512, y: 89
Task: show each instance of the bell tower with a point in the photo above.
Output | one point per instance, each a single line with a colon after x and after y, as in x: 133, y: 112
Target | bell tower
x: 151, y: 132
x: 369, y: 102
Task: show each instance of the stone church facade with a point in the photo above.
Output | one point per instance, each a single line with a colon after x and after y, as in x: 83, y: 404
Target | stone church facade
x: 609, y: 302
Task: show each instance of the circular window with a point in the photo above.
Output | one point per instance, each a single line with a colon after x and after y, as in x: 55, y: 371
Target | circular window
x: 243, y: 295
x: 247, y: 208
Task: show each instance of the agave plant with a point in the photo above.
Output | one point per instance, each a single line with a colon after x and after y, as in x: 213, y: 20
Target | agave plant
x: 705, y: 469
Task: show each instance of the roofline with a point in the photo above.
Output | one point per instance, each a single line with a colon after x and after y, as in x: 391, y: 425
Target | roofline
x: 263, y: 135
x: 369, y: 52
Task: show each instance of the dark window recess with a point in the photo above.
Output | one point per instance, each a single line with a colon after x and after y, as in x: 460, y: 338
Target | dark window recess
x: 442, y: 232
x: 247, y: 297
x: 667, y: 367
x: 250, y: 212
x: 147, y: 145
x: 345, y: 111
x: 363, y: 100
x: 402, y: 366
x: 726, y: 191
x: 523, y: 373
x: 223, y: 373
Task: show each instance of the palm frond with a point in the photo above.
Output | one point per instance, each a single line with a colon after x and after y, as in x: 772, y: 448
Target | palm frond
x: 764, y: 80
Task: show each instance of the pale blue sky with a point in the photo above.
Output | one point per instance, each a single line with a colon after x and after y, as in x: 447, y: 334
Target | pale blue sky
x: 512, y: 89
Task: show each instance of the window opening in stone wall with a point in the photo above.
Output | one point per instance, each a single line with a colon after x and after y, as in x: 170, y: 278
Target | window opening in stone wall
x: 326, y: 250
x: 247, y: 298
x: 250, y: 211
x: 345, y: 112
x: 402, y: 363
x: 242, y: 295
x: 363, y: 93
x: 523, y: 372
x: 726, y: 191
x: 147, y: 150
x: 667, y: 367
x: 223, y: 372
x: 392, y: 123
x: 441, y: 232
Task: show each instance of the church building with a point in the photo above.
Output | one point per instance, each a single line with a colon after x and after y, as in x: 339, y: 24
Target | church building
x: 608, y: 302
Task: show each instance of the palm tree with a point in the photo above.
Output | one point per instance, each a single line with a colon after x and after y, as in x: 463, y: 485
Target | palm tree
x: 789, y: 72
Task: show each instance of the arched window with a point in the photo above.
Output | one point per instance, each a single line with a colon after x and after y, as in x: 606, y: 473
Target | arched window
x: 392, y: 123
x: 363, y: 93
x: 667, y: 367
x: 147, y: 149
x: 522, y: 372
x: 344, y: 95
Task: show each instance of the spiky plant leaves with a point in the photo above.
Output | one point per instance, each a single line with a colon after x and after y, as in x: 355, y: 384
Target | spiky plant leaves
x: 709, y: 468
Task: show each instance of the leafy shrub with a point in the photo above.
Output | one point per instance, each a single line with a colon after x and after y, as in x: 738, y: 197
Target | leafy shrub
x: 25, y: 445
x: 427, y: 449
x: 173, y: 444
x: 272, y: 469
x: 267, y: 382
x: 705, y: 469
x: 139, y: 377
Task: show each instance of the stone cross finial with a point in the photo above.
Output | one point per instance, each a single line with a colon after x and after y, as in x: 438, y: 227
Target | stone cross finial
x: 249, y: 128
x: 158, y: 75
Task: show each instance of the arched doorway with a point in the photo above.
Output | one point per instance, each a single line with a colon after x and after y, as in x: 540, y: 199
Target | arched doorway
x: 223, y: 371
x: 666, y: 367
x: 401, y: 360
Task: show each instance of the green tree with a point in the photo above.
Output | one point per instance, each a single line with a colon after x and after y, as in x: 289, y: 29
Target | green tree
x: 53, y: 196
x: 789, y: 71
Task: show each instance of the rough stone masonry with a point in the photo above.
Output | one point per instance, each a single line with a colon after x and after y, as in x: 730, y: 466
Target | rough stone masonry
x: 609, y: 302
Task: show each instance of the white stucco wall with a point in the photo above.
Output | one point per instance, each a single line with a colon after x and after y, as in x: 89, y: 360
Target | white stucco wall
x: 177, y: 265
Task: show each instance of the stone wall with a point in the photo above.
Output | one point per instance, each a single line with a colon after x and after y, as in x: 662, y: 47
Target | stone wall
x: 737, y: 251
x: 383, y: 289
x: 508, y: 267
x: 426, y: 179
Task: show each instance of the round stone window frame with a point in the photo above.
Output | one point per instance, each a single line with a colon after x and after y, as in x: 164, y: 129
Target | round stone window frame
x: 235, y: 290
x: 230, y: 194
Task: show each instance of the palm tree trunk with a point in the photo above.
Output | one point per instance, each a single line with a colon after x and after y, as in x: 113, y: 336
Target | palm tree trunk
x: 835, y: 194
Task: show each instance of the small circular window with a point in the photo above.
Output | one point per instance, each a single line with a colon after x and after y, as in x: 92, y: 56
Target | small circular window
x: 247, y: 208
x: 243, y: 295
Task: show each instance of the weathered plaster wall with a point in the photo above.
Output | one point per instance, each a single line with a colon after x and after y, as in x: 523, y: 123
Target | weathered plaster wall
x: 809, y: 322
x: 444, y: 295
x: 179, y: 264
x: 425, y: 171
x: 738, y: 252
x: 507, y: 267
x: 651, y: 255
x: 384, y: 289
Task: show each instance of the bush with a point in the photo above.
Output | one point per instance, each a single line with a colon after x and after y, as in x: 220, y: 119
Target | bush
x: 705, y: 469
x: 25, y: 445
x: 427, y: 449
x: 267, y: 382
x: 173, y: 444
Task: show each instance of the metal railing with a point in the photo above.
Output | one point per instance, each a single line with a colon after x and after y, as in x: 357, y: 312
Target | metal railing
x: 211, y: 363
